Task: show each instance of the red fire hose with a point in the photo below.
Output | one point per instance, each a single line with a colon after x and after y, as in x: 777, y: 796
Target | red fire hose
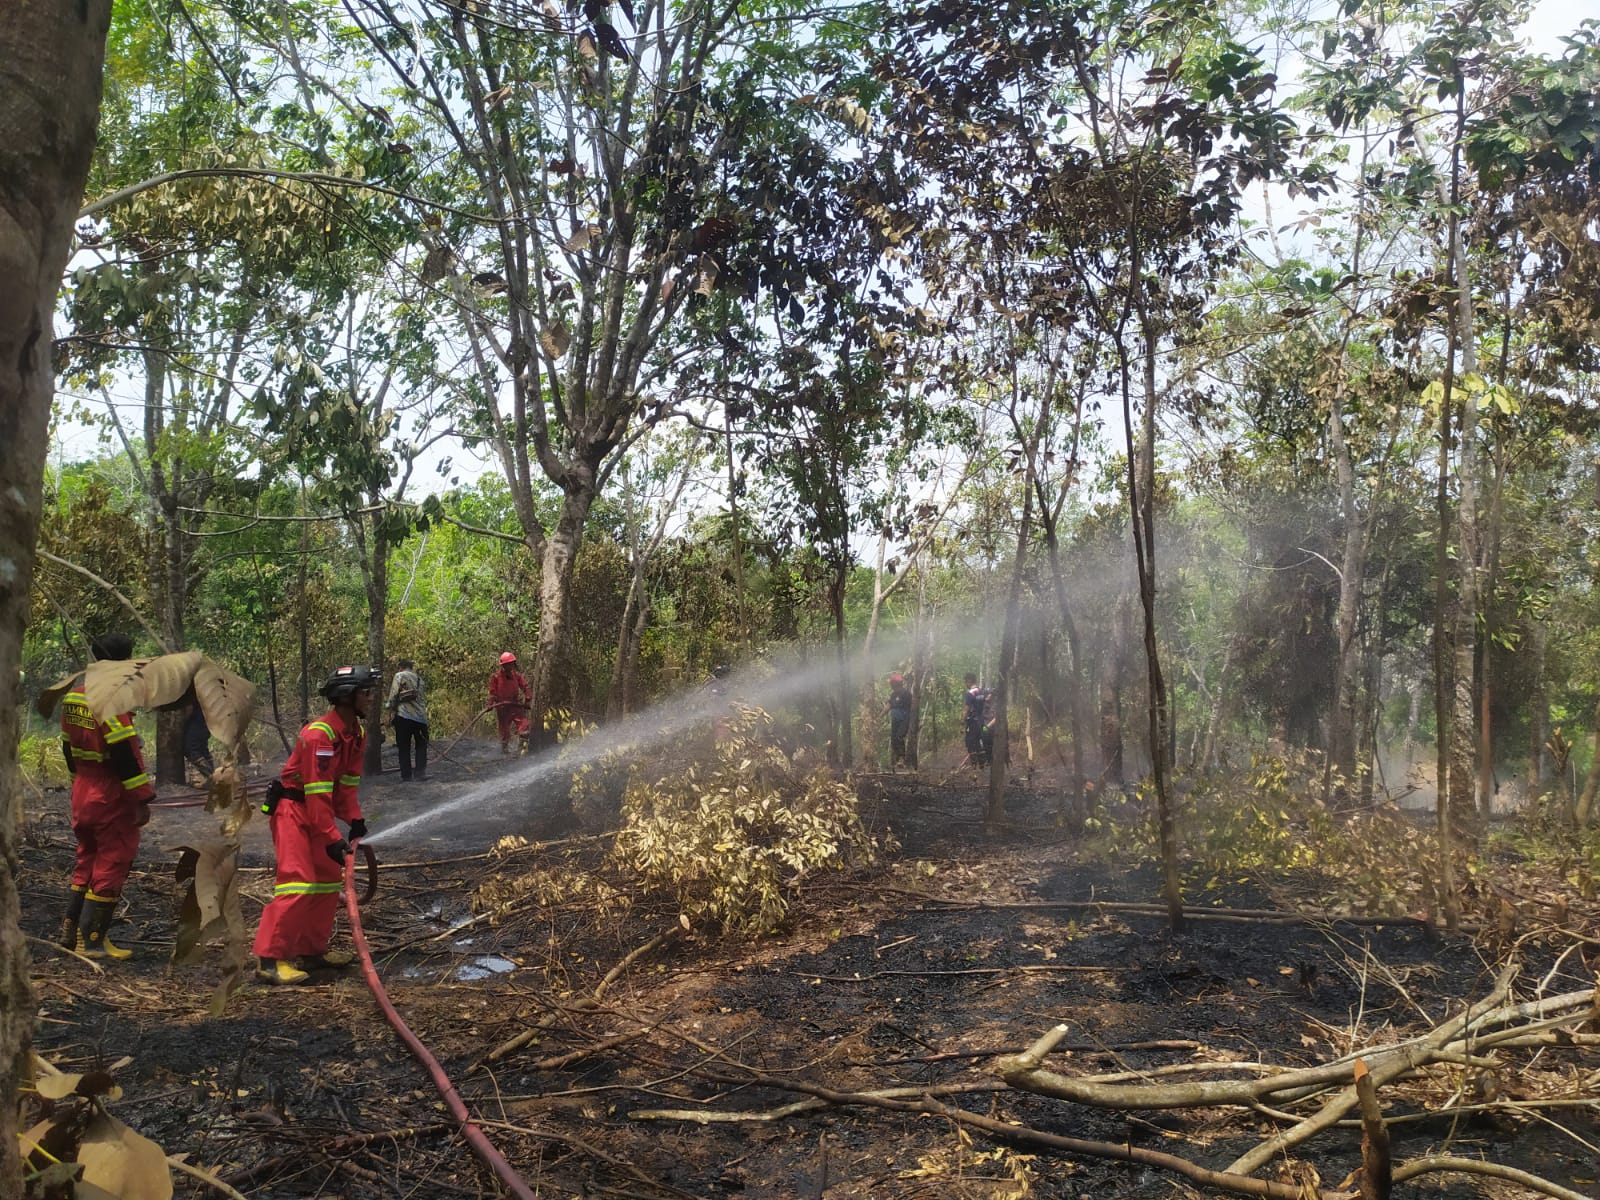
x: 480, y: 1143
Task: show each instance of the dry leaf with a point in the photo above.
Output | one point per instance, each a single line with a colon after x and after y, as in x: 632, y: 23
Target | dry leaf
x: 586, y: 46
x: 555, y: 339
x: 126, y: 1164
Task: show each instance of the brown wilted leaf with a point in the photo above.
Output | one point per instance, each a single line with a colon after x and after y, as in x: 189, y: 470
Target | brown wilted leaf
x: 210, y: 905
x: 581, y: 237
x: 555, y: 339
x: 125, y: 1164
x: 586, y: 46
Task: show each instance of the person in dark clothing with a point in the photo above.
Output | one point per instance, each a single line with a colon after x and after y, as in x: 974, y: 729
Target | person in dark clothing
x: 197, y: 742
x: 409, y: 712
x: 976, y: 722
x: 899, y: 721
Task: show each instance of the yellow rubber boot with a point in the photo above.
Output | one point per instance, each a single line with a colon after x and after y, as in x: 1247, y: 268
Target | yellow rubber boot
x: 97, y: 941
x: 276, y: 971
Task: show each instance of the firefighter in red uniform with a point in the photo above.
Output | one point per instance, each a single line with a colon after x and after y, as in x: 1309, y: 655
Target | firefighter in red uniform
x: 111, y: 794
x: 318, y: 784
x: 509, y: 696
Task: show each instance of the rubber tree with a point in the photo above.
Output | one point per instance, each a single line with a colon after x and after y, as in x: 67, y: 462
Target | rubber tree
x: 51, y: 62
x: 595, y: 146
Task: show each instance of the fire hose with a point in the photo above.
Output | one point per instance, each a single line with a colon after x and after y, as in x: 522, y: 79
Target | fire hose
x: 476, y: 1138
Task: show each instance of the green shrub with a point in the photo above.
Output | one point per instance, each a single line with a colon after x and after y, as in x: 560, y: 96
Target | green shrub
x: 730, y: 840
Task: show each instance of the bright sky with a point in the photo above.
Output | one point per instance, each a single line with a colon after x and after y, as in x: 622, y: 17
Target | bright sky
x: 75, y: 441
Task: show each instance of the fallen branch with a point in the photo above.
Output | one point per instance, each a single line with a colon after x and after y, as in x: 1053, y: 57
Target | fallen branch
x: 705, y: 1116
x: 205, y: 1177
x: 1473, y: 1166
x: 1385, y: 1069
x: 1267, y: 916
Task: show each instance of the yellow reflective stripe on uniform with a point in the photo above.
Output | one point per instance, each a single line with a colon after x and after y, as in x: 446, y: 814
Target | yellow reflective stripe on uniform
x: 306, y: 889
x: 116, y: 731
x: 75, y: 698
x: 86, y: 755
x: 326, y: 728
x: 350, y: 780
x: 319, y: 789
x: 136, y: 781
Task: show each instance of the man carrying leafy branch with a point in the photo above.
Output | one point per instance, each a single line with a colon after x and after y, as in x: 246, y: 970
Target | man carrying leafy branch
x: 111, y: 794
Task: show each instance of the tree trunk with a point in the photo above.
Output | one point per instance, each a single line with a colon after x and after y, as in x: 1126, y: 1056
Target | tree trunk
x: 1076, y: 683
x: 921, y: 662
x: 168, y: 568
x: 871, y: 704
x: 1464, y: 724
x: 1538, y: 713
x: 1112, y: 676
x: 1219, y: 706
x: 627, y: 650
x: 304, y: 614
x: 1584, y: 810
x: 1491, y: 580
x: 555, y: 601
x: 373, y: 549
x: 1341, y: 762
x: 842, y: 754
x: 1010, y: 638
x: 54, y: 55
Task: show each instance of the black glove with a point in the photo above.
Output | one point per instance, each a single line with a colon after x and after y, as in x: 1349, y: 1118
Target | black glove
x: 66, y: 753
x: 339, y: 851
x: 358, y: 829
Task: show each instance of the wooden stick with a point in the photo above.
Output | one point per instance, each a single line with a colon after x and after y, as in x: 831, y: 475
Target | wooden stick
x: 1377, y: 1169
x: 204, y: 1176
x: 1473, y: 1166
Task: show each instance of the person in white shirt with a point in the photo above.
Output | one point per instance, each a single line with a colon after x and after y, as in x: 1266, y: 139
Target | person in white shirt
x: 408, y: 711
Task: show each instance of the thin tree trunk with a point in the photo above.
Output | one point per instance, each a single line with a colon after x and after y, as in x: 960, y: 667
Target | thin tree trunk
x: 842, y: 753
x: 616, y: 702
x: 1141, y: 507
x: 921, y: 662
x: 1443, y: 692
x: 304, y: 614
x: 167, y: 573
x: 1584, y: 810
x: 373, y: 552
x: 1352, y: 567
x: 1000, y: 759
x: 1491, y: 581
x: 1464, y: 725
x: 54, y: 55
x: 1219, y: 706
x: 871, y: 705
x: 1538, y: 713
x: 555, y: 602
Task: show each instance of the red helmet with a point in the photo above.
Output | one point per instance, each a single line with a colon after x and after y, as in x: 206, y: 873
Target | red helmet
x: 897, y: 678
x: 507, y: 657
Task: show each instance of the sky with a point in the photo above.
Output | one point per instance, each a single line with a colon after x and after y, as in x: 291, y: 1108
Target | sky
x: 74, y: 440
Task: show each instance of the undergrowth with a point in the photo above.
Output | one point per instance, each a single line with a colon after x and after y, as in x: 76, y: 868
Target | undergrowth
x: 1270, y: 822
x: 731, y: 838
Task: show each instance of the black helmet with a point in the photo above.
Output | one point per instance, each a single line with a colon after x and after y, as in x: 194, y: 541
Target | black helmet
x: 114, y: 647
x: 347, y: 681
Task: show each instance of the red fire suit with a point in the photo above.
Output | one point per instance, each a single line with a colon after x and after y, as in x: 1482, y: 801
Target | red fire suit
x: 324, y: 768
x: 111, y: 793
x: 508, y: 695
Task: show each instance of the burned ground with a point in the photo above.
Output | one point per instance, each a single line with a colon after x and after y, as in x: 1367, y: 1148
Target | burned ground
x: 913, y: 974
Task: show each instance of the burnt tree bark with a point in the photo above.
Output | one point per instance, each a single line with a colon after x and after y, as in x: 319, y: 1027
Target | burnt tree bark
x: 52, y: 57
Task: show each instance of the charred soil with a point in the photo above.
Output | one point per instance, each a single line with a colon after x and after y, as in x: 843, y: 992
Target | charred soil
x: 913, y: 975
